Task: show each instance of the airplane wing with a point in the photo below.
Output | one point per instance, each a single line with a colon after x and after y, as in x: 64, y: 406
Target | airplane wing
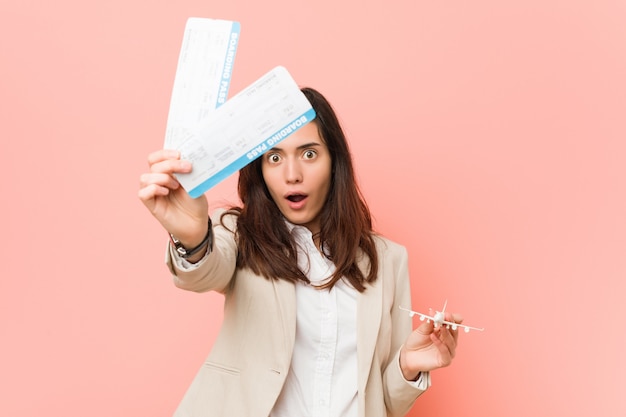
x: 420, y: 315
x: 439, y: 322
x: 454, y: 326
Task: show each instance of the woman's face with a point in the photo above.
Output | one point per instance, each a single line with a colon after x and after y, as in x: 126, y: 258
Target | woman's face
x: 297, y: 174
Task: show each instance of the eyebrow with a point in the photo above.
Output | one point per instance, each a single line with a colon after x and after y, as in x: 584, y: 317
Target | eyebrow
x: 304, y: 146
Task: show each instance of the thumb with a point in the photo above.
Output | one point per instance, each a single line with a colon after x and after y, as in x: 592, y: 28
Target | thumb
x: 420, y: 336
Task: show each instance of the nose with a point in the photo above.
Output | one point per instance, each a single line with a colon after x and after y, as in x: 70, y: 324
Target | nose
x: 293, y: 171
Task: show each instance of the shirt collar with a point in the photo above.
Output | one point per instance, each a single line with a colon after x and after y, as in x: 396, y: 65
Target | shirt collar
x: 297, y: 231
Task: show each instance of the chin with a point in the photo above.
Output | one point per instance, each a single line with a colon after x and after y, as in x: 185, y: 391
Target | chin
x: 299, y: 220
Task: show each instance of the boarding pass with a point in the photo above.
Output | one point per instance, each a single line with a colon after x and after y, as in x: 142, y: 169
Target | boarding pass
x: 242, y: 129
x: 203, y: 75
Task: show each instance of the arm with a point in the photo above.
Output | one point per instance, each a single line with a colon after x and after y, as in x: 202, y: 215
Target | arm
x: 400, y: 392
x: 426, y: 348
x: 214, y: 271
x: 186, y: 218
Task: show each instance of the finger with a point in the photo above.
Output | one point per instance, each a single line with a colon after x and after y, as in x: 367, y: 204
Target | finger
x: 160, y: 179
x: 148, y: 194
x: 168, y: 161
x: 444, y: 357
x: 162, y: 155
x: 171, y: 166
x: 425, y: 328
x: 445, y: 345
x: 153, y: 185
x: 449, y: 338
x: 455, y: 318
x: 420, y: 337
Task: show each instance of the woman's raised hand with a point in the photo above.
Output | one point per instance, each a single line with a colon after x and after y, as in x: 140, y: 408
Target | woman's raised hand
x: 159, y: 190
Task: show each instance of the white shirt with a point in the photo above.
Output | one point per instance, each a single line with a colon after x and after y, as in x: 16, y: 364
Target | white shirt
x: 322, y: 380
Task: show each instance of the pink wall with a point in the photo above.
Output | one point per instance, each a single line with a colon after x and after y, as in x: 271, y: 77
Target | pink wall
x: 489, y: 137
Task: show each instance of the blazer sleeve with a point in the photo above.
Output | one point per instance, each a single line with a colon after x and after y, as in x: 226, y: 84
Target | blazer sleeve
x: 215, y: 271
x: 399, y: 393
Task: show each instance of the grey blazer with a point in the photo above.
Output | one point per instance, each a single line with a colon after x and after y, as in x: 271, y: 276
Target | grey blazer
x: 246, y: 368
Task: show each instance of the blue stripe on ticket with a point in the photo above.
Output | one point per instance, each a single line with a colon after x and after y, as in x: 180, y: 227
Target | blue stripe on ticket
x: 229, y: 60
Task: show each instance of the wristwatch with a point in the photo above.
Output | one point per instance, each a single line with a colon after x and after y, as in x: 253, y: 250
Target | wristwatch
x: 185, y: 253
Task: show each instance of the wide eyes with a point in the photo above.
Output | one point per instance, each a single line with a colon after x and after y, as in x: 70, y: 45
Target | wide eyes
x: 275, y: 158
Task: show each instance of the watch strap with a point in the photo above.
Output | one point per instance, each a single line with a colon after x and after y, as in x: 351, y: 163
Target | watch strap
x: 185, y: 253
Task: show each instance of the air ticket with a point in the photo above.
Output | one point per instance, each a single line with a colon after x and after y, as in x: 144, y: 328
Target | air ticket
x: 242, y: 129
x: 203, y: 74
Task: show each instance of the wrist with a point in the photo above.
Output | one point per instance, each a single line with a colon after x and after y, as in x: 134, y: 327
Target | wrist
x: 197, y: 249
x: 407, y: 372
x: 196, y: 257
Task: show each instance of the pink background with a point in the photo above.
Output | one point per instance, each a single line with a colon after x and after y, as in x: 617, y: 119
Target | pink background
x: 489, y: 139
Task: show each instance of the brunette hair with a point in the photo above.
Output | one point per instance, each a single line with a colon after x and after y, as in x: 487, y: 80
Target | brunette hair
x: 265, y: 244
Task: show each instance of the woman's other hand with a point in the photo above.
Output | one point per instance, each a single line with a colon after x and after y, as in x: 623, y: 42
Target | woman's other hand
x: 429, y: 348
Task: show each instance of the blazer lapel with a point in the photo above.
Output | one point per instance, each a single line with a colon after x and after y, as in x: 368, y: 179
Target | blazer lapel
x: 285, y: 298
x: 369, y: 313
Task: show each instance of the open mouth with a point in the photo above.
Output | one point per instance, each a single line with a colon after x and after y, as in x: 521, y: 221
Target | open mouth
x: 295, y: 198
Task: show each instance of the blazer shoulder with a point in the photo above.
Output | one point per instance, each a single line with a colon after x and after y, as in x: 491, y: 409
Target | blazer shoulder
x: 389, y: 247
x: 225, y: 217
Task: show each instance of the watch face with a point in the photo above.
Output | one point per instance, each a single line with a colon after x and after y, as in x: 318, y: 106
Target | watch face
x: 180, y: 249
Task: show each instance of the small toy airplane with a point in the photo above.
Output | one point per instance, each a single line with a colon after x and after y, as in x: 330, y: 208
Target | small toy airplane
x: 438, y: 319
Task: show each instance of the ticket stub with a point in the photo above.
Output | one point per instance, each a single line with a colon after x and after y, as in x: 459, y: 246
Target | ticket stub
x: 203, y: 74
x: 246, y: 126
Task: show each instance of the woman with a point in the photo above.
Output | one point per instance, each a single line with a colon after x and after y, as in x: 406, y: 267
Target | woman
x: 312, y: 325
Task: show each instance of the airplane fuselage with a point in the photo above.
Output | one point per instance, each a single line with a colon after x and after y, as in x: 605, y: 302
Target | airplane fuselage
x: 438, y: 319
